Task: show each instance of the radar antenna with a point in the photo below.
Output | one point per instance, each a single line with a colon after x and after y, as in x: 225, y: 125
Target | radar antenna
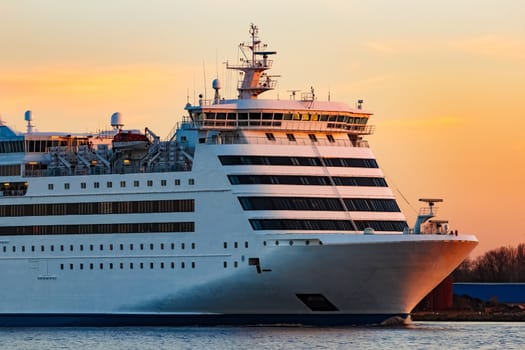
x: 426, y: 213
x: 254, y: 80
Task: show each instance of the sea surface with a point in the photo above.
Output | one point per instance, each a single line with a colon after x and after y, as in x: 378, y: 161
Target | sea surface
x: 417, y: 335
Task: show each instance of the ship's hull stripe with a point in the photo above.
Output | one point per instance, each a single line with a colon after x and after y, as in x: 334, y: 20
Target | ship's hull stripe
x: 116, y: 320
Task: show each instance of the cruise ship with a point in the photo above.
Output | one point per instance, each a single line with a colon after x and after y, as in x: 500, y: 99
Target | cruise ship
x: 250, y: 212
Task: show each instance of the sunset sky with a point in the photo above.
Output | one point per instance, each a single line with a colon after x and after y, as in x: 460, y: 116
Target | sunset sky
x: 444, y: 79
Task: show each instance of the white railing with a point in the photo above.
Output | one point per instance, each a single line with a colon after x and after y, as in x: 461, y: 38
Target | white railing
x: 360, y: 129
x: 230, y: 140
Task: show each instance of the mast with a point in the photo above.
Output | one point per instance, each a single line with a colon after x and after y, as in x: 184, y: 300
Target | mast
x: 255, y: 81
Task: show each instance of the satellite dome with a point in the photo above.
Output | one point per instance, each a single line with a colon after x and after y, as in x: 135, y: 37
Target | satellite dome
x: 116, y: 120
x: 216, y: 84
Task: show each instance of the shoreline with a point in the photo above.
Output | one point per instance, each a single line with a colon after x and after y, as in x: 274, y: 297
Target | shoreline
x: 465, y: 316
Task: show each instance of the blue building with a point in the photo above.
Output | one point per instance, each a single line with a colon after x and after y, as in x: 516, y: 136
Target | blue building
x: 512, y: 293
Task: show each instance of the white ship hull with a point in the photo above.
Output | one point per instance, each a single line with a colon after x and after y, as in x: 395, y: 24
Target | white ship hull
x: 352, y: 273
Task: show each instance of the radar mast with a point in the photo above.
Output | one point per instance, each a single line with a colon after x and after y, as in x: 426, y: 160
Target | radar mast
x: 254, y: 80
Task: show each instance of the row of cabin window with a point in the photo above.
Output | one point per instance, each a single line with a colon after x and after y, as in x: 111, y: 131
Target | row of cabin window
x: 225, y: 264
x: 285, y: 116
x: 299, y: 161
x: 326, y: 225
x: 93, y: 247
x: 291, y: 137
x: 306, y: 180
x: 319, y: 204
x: 122, y: 265
x: 123, y: 184
x: 143, y: 227
x: 235, y: 245
x: 97, y: 208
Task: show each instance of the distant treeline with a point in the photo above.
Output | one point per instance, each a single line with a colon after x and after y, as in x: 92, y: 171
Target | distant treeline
x: 505, y: 264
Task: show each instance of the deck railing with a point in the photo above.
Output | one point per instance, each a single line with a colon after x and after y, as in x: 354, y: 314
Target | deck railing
x: 230, y: 140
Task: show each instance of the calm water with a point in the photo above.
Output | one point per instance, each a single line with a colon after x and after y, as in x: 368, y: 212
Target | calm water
x: 418, y: 335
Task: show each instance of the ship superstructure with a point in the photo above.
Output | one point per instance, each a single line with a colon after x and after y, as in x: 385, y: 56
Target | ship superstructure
x: 252, y: 211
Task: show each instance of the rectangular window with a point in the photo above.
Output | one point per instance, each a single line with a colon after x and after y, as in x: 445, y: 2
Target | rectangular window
x: 122, y: 183
x: 177, y: 182
x: 312, y: 137
x: 291, y: 137
x: 270, y: 136
x: 66, y: 186
x: 163, y: 182
x: 191, y: 181
x: 136, y: 183
x: 150, y: 183
x: 109, y: 184
x: 83, y: 185
x: 330, y: 138
x: 96, y: 185
x: 50, y: 187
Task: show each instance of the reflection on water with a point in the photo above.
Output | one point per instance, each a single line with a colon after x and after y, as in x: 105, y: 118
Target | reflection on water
x: 417, y: 335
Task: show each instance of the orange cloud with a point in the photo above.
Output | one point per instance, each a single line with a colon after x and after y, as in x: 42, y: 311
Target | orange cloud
x: 492, y: 45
